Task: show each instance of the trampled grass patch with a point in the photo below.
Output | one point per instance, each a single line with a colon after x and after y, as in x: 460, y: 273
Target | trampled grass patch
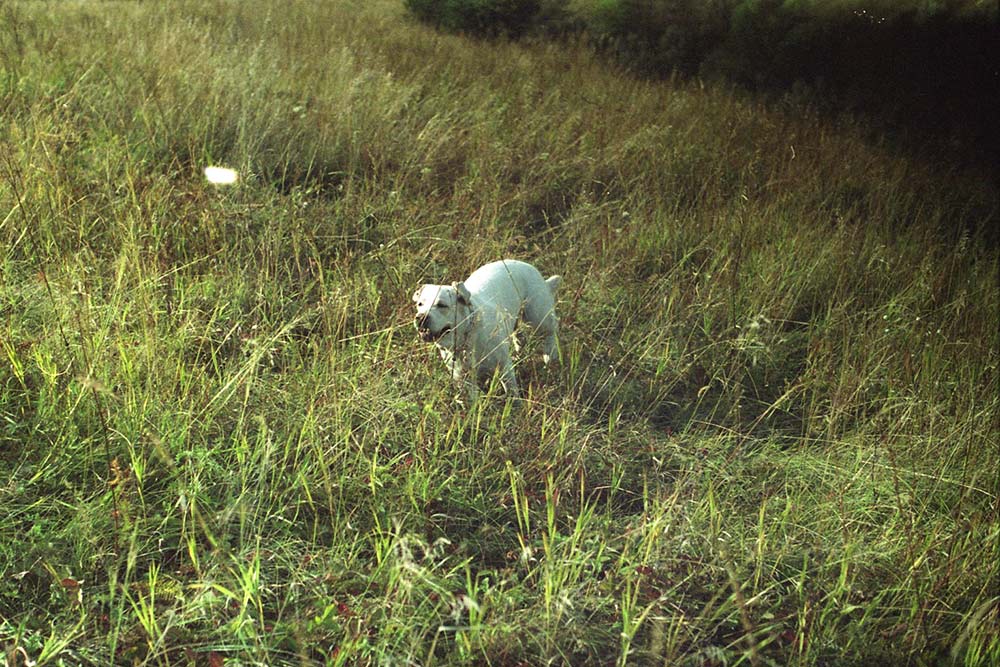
x: 772, y: 439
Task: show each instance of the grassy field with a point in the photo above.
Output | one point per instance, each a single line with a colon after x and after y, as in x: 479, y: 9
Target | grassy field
x: 773, y: 439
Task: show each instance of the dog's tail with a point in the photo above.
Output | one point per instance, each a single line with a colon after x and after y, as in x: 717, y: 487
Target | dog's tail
x: 553, y: 283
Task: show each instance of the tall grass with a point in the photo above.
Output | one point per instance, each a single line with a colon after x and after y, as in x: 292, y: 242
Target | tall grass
x: 772, y: 440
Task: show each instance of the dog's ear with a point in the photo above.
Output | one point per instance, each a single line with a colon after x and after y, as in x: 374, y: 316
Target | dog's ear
x: 463, y: 293
x: 416, y: 295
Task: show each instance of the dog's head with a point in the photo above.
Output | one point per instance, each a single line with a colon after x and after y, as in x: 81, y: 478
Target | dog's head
x: 442, y: 312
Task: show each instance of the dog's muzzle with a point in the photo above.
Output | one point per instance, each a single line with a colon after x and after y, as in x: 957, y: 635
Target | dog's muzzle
x: 425, y: 332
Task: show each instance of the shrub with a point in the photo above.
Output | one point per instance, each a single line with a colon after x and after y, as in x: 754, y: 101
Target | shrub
x: 655, y: 36
x: 481, y: 17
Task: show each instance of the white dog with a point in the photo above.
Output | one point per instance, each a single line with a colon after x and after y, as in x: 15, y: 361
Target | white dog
x: 472, y: 323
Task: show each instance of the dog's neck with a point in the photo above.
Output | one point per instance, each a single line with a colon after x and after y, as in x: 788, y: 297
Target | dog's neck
x: 464, y: 328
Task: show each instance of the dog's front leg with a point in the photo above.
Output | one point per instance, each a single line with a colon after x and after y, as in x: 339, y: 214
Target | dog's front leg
x: 509, y: 380
x: 456, y: 364
x: 471, y: 388
x: 465, y: 375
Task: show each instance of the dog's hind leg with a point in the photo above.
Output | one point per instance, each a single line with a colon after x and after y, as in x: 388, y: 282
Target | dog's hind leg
x: 550, y: 346
x: 540, y: 314
x: 546, y: 325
